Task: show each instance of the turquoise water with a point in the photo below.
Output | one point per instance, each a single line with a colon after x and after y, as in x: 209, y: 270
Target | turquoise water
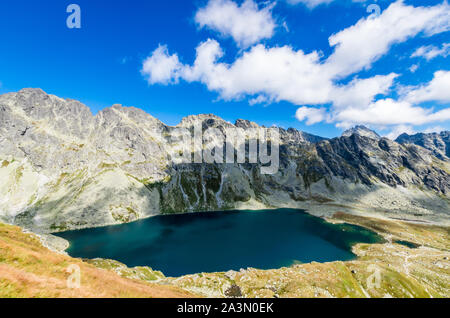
x: 220, y: 241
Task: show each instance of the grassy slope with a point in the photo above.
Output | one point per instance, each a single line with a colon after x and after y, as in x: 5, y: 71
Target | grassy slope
x: 27, y: 269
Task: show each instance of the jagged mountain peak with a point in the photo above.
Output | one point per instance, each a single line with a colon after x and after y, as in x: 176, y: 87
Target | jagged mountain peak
x: 35, y: 100
x: 437, y: 143
x: 130, y: 114
x: 243, y: 123
x: 32, y: 90
x: 361, y: 131
x: 208, y: 120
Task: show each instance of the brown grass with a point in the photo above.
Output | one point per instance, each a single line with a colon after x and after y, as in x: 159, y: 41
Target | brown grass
x: 27, y: 269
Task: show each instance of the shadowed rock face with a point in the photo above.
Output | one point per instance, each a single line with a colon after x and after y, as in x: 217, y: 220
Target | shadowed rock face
x: 62, y: 168
x: 437, y: 143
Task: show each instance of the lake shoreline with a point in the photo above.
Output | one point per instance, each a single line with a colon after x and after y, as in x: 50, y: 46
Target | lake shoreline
x: 215, y: 241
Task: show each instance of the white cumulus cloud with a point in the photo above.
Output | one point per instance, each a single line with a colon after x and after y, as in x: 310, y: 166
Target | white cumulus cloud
x: 311, y: 115
x: 406, y: 110
x: 429, y: 52
x: 358, y: 46
x: 160, y: 67
x: 279, y: 73
x: 310, y: 3
x: 247, y: 24
x: 360, y: 92
x: 401, y: 129
x: 389, y: 112
x: 437, y: 90
x: 414, y: 68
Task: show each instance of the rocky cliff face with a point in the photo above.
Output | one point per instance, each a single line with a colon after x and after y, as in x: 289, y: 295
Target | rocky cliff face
x: 437, y: 143
x: 63, y: 168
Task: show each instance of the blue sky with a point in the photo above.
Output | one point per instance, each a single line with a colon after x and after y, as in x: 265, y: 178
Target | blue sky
x: 390, y: 72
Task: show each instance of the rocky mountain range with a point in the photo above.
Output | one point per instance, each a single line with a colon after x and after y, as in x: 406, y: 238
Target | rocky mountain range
x: 63, y: 168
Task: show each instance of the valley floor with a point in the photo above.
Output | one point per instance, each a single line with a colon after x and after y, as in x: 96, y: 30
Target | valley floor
x: 27, y: 269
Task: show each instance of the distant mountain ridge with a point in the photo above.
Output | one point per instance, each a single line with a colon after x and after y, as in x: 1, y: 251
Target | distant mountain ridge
x: 63, y: 168
x: 437, y: 143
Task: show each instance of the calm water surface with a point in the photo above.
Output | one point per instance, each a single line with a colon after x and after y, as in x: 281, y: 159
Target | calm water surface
x: 220, y: 241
